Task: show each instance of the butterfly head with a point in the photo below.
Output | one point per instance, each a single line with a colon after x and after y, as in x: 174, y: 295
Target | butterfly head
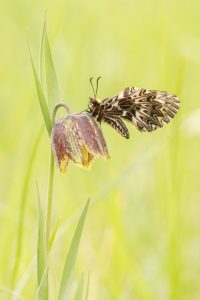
x: 93, y: 106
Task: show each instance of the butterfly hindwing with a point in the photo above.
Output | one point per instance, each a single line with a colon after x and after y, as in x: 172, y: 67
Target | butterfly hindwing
x: 117, y: 124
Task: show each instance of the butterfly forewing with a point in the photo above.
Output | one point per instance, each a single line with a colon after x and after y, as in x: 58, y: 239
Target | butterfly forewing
x: 146, y: 109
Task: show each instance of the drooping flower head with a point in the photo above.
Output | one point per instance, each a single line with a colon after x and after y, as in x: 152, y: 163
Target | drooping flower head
x: 78, y: 138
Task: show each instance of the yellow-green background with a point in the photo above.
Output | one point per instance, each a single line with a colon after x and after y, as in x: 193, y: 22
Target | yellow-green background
x: 142, y: 235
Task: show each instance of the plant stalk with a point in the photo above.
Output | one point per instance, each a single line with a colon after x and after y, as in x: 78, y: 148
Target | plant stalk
x: 50, y: 181
x: 49, y: 199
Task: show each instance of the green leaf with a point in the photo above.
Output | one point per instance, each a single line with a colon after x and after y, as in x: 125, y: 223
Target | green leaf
x: 51, y: 78
x: 41, y: 52
x: 42, y: 277
x: 22, y: 206
x: 53, y: 234
x: 71, y: 256
x: 79, y: 290
x: 41, y: 98
x: 41, y: 295
x: 87, y: 289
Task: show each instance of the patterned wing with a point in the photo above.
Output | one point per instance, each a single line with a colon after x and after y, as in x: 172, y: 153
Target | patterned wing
x: 146, y: 109
x: 118, y: 125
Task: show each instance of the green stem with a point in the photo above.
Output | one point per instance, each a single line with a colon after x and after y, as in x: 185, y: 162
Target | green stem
x: 56, y: 109
x: 49, y: 198
x: 50, y: 181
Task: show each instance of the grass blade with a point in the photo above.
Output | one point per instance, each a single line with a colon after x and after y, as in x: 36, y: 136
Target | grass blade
x: 40, y: 295
x: 23, y: 201
x: 72, y: 255
x: 41, y: 52
x: 25, y: 277
x: 41, y: 98
x: 87, y: 289
x: 79, y: 290
x: 51, y: 78
x: 10, y: 293
x: 42, y: 277
x: 53, y: 234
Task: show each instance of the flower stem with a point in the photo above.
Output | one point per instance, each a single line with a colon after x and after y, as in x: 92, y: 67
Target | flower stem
x: 56, y: 109
x: 49, y: 199
x: 50, y: 181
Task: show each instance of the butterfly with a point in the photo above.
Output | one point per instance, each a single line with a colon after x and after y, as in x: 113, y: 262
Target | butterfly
x: 146, y: 109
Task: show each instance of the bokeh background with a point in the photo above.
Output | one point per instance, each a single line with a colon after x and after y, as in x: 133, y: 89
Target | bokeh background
x: 142, y: 235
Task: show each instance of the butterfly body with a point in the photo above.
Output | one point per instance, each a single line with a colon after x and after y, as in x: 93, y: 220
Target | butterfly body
x: 146, y: 109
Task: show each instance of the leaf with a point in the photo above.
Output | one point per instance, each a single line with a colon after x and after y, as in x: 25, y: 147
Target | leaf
x: 79, y: 290
x: 87, y: 289
x: 22, y: 207
x: 41, y: 52
x: 42, y: 277
x: 51, y: 78
x: 53, y: 234
x: 41, y: 98
x: 71, y: 256
x: 40, y: 295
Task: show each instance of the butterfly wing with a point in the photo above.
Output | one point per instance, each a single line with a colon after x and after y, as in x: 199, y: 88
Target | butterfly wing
x: 118, y: 125
x: 146, y: 109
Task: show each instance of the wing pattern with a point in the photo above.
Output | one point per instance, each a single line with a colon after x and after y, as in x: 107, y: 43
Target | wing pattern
x: 118, y: 125
x: 146, y: 109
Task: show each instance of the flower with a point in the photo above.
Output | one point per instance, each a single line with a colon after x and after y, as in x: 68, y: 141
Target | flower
x: 78, y: 138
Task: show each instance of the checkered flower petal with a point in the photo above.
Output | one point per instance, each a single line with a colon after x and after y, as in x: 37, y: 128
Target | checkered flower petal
x: 78, y: 138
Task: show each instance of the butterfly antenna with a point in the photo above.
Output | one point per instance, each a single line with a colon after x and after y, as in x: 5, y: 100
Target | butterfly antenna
x: 92, y: 86
x: 97, y: 85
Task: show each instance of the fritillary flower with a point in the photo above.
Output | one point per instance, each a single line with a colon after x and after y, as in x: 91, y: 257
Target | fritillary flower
x: 78, y: 138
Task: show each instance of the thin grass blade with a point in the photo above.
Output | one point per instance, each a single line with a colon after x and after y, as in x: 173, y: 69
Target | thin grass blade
x: 42, y: 277
x: 71, y: 256
x: 11, y: 293
x: 87, y: 288
x: 41, y: 98
x: 25, y: 277
x: 51, y: 78
x: 79, y: 290
x: 42, y: 286
x: 41, y: 52
x: 22, y: 211
x: 53, y: 234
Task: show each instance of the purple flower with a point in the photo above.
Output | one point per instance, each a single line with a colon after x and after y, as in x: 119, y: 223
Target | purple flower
x: 78, y: 138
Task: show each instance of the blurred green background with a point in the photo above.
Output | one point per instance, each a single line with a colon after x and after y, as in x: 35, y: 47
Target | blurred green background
x: 142, y: 235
